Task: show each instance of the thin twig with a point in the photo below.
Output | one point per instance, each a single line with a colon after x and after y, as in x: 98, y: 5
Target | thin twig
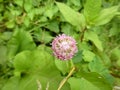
x: 39, y: 85
x: 116, y: 88
x: 66, y: 78
x: 47, y: 86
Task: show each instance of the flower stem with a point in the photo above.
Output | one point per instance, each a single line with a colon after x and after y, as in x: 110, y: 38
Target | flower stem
x: 72, y: 64
x: 66, y: 78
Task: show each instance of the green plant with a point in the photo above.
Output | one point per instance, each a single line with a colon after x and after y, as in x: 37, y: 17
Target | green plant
x: 27, y: 28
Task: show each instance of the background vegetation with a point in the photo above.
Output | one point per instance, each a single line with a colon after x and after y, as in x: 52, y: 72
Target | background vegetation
x: 27, y: 27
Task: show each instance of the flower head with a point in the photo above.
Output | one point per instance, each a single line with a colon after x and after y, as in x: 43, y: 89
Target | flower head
x: 64, y: 47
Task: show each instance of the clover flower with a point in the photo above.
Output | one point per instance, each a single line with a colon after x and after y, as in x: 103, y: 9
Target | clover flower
x: 64, y: 47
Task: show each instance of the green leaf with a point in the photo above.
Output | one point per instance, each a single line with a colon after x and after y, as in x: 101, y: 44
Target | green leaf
x: 94, y: 81
x: 11, y: 84
x: 50, y: 11
x: 33, y: 82
x: 106, y: 15
x: 78, y: 57
x: 85, y: 46
x: 30, y: 61
x: 21, y: 40
x: 39, y: 11
x: 75, y: 4
x: 97, y: 66
x: 43, y: 36
x: 63, y: 66
x: 28, y: 5
x: 88, y: 56
x: 10, y: 24
x: 31, y: 14
x: 46, y: 37
x: 35, y: 69
x: 53, y: 26
x: 71, y: 16
x: 67, y: 29
x: 27, y: 21
x: 114, y: 30
x: 74, y: 83
x: 105, y: 58
x: 115, y: 55
x: 19, y: 2
x: 92, y: 9
x: 86, y: 84
x: 3, y: 54
x: 92, y: 36
x: 6, y: 35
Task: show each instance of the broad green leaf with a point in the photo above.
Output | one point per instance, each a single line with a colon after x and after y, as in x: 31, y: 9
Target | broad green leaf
x: 36, y: 68
x: 115, y: 55
x: 10, y: 24
x: 26, y: 83
x: 93, y: 37
x: 71, y: 16
x: 97, y: 66
x: 43, y: 36
x: 28, y: 5
x: 29, y: 61
x: 21, y: 40
x: 84, y: 85
x: 114, y: 30
x: 85, y: 46
x: 50, y: 11
x: 106, y: 15
x: 15, y: 12
x: 19, y: 2
x: 27, y: 21
x: 78, y: 57
x: 11, y: 84
x: 43, y: 19
x: 6, y: 35
x: 92, y: 9
x: 94, y: 81
x: 39, y: 11
x: 63, y: 66
x: 46, y: 37
x: 88, y: 55
x: 74, y: 83
x: 22, y: 64
x: 75, y: 4
x: 68, y: 29
x: 53, y: 26
x: 105, y: 58
x: 31, y: 14
x: 33, y: 82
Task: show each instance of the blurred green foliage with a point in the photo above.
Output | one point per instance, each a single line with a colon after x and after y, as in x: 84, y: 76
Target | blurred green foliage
x: 27, y: 28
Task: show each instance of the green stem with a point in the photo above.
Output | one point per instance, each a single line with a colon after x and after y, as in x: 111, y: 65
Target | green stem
x: 70, y: 62
x: 66, y: 78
